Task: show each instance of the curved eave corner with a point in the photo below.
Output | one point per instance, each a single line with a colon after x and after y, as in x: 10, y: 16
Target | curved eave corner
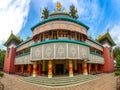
x: 55, y: 41
x: 60, y: 18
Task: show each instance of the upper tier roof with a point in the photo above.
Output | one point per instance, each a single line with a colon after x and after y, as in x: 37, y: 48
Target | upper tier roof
x: 60, y: 18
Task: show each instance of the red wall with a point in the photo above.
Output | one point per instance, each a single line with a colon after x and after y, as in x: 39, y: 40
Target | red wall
x: 108, y: 61
x: 9, y: 66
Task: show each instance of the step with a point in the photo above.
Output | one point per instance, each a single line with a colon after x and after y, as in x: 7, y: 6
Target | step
x: 59, y: 81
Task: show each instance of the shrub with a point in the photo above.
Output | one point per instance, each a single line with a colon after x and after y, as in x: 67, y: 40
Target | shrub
x: 117, y: 73
x: 1, y: 74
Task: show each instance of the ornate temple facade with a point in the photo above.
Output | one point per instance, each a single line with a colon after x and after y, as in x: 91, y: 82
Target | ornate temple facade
x: 59, y: 46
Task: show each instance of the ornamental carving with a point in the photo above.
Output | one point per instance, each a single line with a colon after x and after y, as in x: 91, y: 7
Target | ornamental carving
x: 95, y: 59
x: 52, y: 51
x: 48, y: 51
x: 60, y: 50
x: 73, y: 51
x: 37, y: 52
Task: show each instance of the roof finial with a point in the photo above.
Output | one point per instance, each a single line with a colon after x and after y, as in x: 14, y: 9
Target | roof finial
x: 58, y: 6
x: 11, y: 32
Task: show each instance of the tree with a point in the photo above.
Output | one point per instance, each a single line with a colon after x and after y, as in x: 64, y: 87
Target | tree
x: 116, y: 51
x: 73, y: 12
x: 118, y: 61
x: 2, y: 56
x: 28, y: 37
x: 45, y: 13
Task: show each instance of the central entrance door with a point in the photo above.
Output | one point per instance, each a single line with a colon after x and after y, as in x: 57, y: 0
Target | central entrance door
x: 59, y: 68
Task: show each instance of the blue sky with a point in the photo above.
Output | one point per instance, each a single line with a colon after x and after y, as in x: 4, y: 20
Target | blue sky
x: 21, y: 15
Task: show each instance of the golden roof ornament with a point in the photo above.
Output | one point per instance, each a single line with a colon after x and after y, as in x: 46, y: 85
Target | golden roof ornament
x: 58, y: 6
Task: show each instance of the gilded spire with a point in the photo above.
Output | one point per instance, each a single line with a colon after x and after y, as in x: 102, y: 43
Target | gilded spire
x: 58, y: 6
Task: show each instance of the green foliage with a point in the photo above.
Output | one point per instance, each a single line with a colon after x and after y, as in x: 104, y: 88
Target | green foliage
x: 118, y: 61
x: 28, y: 37
x: 117, y: 73
x: 73, y: 12
x: 1, y: 74
x: 2, y: 56
x: 45, y: 13
x: 116, y: 51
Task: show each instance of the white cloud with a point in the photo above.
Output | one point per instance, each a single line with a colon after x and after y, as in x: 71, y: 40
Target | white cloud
x: 115, y: 33
x: 13, y: 15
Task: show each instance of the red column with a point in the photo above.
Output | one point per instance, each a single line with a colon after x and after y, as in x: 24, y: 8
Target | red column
x: 101, y: 67
x: 22, y: 69
x: 96, y: 68
x: 39, y: 70
x: 89, y: 67
x: 79, y: 69
x: 30, y: 69
x: 16, y: 68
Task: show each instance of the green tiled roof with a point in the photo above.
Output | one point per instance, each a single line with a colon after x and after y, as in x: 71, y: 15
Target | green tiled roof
x: 106, y: 35
x: 12, y: 36
x: 95, y: 42
x: 60, y: 18
x: 60, y: 40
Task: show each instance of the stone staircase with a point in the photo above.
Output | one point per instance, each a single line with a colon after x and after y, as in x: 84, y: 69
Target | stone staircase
x: 59, y: 81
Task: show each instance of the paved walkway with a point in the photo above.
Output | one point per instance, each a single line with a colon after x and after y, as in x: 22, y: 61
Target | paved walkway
x: 105, y: 82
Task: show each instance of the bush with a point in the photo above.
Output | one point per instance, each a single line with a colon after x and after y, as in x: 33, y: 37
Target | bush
x: 1, y: 74
x: 117, y: 73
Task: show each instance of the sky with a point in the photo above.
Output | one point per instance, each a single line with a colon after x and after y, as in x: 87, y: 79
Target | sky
x: 19, y: 16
